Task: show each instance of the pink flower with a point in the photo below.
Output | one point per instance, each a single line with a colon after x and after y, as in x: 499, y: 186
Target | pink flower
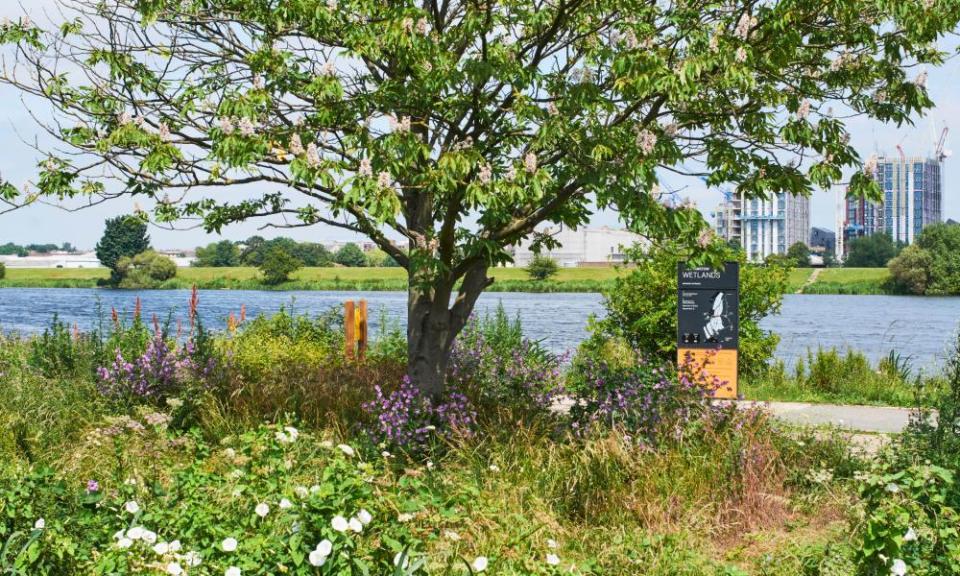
x: 530, y: 162
x: 247, y: 127
x: 741, y: 55
x: 383, y: 179
x: 164, y: 132
x: 804, y: 110
x: 365, y: 169
x: 226, y: 126
x: 423, y: 27
x: 313, y: 156
x: 407, y: 25
x: 486, y: 174
x: 328, y: 68
x: 296, y: 146
x: 646, y: 140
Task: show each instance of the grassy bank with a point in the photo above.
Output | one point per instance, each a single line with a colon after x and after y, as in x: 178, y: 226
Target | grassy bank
x: 110, y: 468
x: 245, y: 278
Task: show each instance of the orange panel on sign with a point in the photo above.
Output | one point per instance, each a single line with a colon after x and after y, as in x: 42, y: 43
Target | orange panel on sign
x: 719, y: 363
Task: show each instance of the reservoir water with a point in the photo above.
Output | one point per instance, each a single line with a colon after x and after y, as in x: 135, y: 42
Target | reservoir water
x: 921, y: 328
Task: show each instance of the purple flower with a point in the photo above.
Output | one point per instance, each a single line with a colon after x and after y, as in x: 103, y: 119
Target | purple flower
x: 93, y: 486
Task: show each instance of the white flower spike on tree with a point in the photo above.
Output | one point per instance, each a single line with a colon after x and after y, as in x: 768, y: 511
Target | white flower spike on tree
x: 724, y: 76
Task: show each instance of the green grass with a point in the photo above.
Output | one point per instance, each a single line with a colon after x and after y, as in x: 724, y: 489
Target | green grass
x: 506, y: 279
x: 832, y: 377
x: 850, y: 281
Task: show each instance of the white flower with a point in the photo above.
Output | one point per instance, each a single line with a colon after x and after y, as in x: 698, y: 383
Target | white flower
x: 313, y: 161
x: 339, y: 523
x: 383, y: 181
x: 898, y: 568
x: 325, y: 547
x: 296, y: 145
x: 646, y: 140
x: 552, y: 544
x: 285, y: 504
x: 230, y: 453
x: 229, y: 544
x: 804, y: 110
x: 741, y: 55
x: 124, y: 118
x: 910, y: 536
x: 226, y: 126
x: 405, y: 517
x: 343, y: 447
x: 869, y: 168
x: 423, y: 27
x: 40, y: 524
x: 174, y: 569
x: 921, y: 79
x: 744, y: 25
x: 494, y: 468
x: 132, y: 507
x: 530, y: 162
x: 149, y: 536
x: 364, y: 516
x: 401, y: 558
x: 301, y: 491
x: 135, y: 533
x: 247, y: 127
x: 232, y: 571
x: 314, y: 489
x: 192, y: 558
x: 161, y: 548
x: 355, y: 525
x: 553, y: 559
x: 316, y: 558
x: 262, y: 510
x: 164, y: 132
x: 486, y: 174
x: 332, y: 4
x: 175, y: 546
x: 124, y: 542
x: 451, y: 535
x: 429, y: 464
x: 386, y: 454
x: 365, y: 171
x: 479, y: 564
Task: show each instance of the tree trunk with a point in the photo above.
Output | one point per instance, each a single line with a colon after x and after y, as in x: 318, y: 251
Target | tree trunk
x: 433, y: 324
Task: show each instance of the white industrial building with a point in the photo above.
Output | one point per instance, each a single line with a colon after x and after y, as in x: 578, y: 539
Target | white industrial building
x: 80, y: 260
x: 602, y: 246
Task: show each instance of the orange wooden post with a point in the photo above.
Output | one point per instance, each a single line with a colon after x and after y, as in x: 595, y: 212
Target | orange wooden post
x: 350, y: 329
x: 362, y: 329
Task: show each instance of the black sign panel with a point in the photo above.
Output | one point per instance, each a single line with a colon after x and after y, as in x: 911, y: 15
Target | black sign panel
x: 708, y: 303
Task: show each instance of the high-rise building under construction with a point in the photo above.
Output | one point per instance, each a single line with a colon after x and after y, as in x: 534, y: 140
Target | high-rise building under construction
x: 912, y: 191
x: 764, y: 227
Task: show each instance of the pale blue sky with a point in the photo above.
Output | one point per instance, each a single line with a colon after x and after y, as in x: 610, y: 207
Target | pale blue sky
x: 42, y: 224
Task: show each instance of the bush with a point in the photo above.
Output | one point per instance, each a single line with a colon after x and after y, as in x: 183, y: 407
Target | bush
x: 218, y: 254
x: 3, y: 270
x: 278, y: 265
x: 873, y: 251
x: 60, y: 352
x: 910, y: 271
x: 351, y: 256
x: 124, y: 236
x: 542, y: 267
x: 641, y: 307
x: 799, y: 254
x: 145, y: 270
x: 498, y: 367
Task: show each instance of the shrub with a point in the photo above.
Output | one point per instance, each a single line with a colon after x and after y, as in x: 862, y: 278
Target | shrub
x: 910, y: 271
x: 405, y: 419
x: 641, y: 307
x: 3, y: 270
x: 218, y: 254
x: 61, y: 352
x: 647, y: 399
x: 145, y: 270
x: 497, y: 366
x: 799, y: 254
x: 873, y: 251
x: 911, y: 522
x: 542, y: 267
x: 351, y: 256
x: 278, y: 265
x: 122, y: 236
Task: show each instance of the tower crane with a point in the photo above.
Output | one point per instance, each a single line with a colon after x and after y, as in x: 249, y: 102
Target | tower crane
x: 940, y: 153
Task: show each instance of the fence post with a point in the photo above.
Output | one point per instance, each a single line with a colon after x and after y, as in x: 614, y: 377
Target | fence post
x: 362, y: 330
x: 350, y: 329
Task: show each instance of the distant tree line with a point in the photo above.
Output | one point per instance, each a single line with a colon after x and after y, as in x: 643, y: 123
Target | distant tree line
x: 256, y: 251
x: 11, y: 249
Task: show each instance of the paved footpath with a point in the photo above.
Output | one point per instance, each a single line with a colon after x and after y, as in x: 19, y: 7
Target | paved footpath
x: 876, y: 419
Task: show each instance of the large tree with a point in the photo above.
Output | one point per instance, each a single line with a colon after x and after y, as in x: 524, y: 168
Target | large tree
x: 123, y: 237
x: 462, y: 125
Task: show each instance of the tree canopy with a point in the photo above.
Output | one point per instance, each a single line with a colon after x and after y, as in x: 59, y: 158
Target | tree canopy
x: 873, y: 251
x: 123, y: 236
x: 409, y: 118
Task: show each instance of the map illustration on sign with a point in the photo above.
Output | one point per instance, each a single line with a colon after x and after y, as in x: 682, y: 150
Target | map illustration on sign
x: 716, y: 321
